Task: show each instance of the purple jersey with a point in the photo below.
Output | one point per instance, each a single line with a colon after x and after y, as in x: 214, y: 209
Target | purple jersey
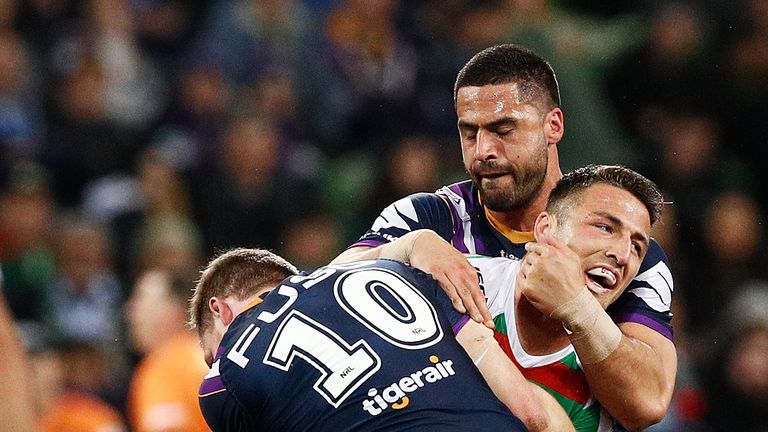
x: 455, y: 213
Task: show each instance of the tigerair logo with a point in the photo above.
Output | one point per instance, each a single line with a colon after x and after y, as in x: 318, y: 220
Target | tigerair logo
x: 396, y: 394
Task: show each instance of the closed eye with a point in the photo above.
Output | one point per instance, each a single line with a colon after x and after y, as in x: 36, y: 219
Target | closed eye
x: 504, y: 132
x: 605, y: 228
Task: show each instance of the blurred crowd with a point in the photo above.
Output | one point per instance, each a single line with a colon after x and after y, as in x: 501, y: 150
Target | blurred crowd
x: 137, y: 137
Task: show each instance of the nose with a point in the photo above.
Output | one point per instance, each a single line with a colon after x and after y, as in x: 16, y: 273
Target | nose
x: 621, y: 250
x: 487, y: 147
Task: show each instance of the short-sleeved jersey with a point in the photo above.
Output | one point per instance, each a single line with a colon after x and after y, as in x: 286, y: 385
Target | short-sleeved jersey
x: 455, y: 213
x: 358, y: 347
x: 559, y: 373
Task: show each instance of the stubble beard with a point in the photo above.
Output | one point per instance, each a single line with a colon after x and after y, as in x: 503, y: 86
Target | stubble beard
x: 515, y: 191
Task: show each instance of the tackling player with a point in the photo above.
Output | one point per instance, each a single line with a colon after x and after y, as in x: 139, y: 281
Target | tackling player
x: 510, y: 122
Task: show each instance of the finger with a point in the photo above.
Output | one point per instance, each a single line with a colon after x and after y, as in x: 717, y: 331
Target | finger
x: 458, y: 304
x: 450, y: 290
x: 468, y: 300
x: 521, y: 282
x: 535, y: 247
x: 482, y: 306
x: 552, y: 240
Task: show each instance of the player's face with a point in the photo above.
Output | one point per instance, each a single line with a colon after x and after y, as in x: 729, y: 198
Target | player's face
x: 503, y: 143
x: 609, y: 229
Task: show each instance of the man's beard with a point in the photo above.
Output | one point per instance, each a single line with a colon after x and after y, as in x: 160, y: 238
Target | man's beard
x: 514, y: 191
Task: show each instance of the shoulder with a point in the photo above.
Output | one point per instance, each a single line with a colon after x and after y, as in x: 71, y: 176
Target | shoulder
x: 416, y: 211
x: 460, y: 196
x: 498, y: 277
x: 655, y: 278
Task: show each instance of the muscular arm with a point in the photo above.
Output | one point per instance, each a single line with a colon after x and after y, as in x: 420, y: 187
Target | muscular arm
x: 536, y: 408
x: 635, y: 382
x: 429, y: 252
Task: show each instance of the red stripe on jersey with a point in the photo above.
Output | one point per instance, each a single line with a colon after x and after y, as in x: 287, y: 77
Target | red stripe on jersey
x: 568, y: 382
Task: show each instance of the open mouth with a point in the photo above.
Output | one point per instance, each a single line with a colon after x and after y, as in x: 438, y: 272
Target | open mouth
x: 601, y: 279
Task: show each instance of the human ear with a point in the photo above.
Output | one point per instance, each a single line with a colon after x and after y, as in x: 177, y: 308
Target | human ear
x: 554, y: 125
x: 543, y: 228
x: 221, y: 310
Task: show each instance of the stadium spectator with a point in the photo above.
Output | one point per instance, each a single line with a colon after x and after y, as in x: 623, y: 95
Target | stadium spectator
x: 738, y: 392
x: 311, y: 240
x: 27, y: 211
x: 85, y: 292
x: 162, y: 395
x: 732, y: 242
x: 245, y: 190
x: 161, y: 208
x: 69, y: 378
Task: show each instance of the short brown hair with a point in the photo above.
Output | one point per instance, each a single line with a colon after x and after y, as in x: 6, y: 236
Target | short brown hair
x: 580, y: 179
x: 509, y: 63
x: 239, y: 273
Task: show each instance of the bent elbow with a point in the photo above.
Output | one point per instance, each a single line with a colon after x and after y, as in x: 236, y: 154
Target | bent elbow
x: 535, y: 422
x: 647, y: 415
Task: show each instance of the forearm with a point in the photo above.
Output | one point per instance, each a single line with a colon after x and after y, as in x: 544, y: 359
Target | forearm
x: 632, y: 375
x: 399, y: 249
x: 425, y: 250
x: 537, y: 409
x: 635, y: 382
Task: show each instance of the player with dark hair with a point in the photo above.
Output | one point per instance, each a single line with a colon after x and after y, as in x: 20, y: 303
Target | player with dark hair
x: 589, y: 245
x: 510, y: 123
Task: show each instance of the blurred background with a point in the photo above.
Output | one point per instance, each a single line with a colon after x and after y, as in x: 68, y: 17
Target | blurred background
x: 138, y: 137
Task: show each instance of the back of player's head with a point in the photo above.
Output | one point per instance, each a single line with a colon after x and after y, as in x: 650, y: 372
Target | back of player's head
x: 239, y: 273
x: 508, y: 63
x: 570, y: 187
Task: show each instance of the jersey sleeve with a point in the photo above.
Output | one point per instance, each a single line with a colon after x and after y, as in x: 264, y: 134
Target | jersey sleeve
x: 221, y: 410
x: 648, y: 298
x: 417, y: 211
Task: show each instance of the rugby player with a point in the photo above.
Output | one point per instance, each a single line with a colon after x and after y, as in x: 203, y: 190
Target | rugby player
x: 510, y: 123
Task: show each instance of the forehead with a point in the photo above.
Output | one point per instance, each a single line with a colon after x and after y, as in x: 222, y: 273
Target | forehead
x: 613, y: 200
x: 493, y: 100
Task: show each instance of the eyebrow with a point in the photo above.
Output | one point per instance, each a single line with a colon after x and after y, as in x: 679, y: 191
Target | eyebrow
x: 492, y: 125
x: 645, y: 239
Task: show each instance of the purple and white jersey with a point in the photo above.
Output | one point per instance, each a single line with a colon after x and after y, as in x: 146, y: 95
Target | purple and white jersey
x: 455, y: 213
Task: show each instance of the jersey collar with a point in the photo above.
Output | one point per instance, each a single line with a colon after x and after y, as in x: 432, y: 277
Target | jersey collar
x: 513, y: 235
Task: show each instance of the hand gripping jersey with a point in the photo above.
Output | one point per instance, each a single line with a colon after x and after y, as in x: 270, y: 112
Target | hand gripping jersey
x: 559, y: 373
x: 358, y: 347
x: 455, y: 214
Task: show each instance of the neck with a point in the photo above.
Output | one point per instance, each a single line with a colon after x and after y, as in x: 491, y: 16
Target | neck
x: 518, y: 220
x: 539, y: 334
x: 239, y: 306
